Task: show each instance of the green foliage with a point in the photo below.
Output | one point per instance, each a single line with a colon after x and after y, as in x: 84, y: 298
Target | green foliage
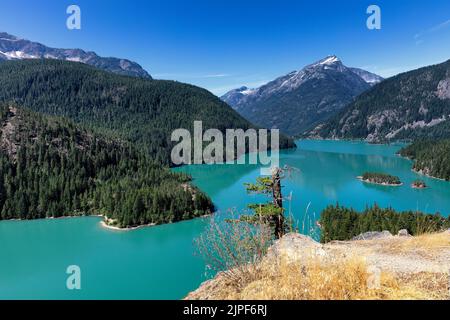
x: 404, y: 99
x: 49, y: 167
x: 263, y: 213
x: 263, y: 185
x: 143, y: 112
x: 381, y: 178
x: 430, y: 157
x: 109, y: 151
x: 340, y: 223
x: 419, y: 184
x: 271, y: 213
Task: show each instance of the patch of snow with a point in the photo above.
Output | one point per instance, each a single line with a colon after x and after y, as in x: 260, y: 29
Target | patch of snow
x: 50, y: 56
x: 248, y: 92
x: 371, y: 81
x: 11, y: 55
x: 329, y: 60
x: 11, y: 39
x: 74, y: 59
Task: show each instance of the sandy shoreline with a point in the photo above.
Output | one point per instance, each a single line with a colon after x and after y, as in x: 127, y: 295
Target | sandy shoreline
x: 103, y: 222
x: 107, y: 226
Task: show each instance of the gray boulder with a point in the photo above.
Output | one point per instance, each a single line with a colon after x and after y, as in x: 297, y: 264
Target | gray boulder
x: 295, y: 247
x: 372, y: 235
x: 403, y: 233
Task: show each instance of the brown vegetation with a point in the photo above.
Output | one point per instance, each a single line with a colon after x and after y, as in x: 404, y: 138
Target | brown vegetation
x: 298, y: 268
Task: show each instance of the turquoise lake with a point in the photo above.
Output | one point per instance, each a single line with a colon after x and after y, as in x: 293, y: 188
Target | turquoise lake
x: 159, y: 262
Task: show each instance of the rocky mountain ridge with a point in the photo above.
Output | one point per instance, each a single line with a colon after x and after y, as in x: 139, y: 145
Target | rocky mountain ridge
x: 14, y: 48
x: 295, y: 102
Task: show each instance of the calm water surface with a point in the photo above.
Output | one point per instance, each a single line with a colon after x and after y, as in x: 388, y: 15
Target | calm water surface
x: 159, y: 262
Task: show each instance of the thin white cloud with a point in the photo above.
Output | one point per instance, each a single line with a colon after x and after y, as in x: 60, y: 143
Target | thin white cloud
x: 190, y: 76
x: 419, y: 36
x: 224, y: 75
x: 219, y: 91
x: 441, y: 26
x: 388, y: 71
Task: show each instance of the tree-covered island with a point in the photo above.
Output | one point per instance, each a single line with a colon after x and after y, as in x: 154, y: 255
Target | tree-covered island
x: 380, y: 178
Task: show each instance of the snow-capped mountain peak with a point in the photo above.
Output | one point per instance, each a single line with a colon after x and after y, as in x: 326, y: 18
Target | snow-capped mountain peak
x: 295, y: 79
x: 299, y: 99
x: 327, y: 63
x: 329, y: 60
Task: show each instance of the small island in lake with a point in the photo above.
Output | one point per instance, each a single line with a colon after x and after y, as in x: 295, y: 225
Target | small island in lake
x: 419, y: 184
x: 381, y: 179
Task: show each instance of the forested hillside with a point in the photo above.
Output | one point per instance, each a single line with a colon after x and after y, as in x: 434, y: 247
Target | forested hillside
x: 144, y: 112
x: 340, y: 223
x: 430, y: 157
x: 49, y: 167
x: 408, y: 106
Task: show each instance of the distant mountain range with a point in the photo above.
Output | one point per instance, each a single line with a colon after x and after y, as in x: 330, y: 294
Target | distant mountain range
x: 14, y: 48
x: 302, y: 99
x: 411, y: 105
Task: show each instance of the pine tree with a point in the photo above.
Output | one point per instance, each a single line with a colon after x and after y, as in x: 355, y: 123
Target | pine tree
x: 271, y: 213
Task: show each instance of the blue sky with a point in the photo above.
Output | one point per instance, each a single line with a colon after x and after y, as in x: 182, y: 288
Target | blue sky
x: 221, y: 45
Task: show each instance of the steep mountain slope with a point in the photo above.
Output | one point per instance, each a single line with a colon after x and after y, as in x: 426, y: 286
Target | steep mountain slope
x: 50, y: 167
x: 410, y: 105
x: 13, y: 48
x: 142, y: 111
x: 369, y: 77
x: 301, y: 99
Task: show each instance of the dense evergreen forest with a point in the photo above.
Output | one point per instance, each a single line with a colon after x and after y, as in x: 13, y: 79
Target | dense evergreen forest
x: 340, y: 223
x: 49, y: 167
x: 381, y: 178
x: 430, y: 157
x: 89, y: 142
x: 395, y: 109
x: 142, y: 111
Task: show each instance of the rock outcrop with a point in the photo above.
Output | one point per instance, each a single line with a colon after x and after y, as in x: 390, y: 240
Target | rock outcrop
x: 409, y: 260
x: 373, y: 235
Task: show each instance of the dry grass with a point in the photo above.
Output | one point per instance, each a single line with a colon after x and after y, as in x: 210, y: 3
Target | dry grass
x: 436, y: 285
x: 425, y: 244
x: 341, y: 273
x: 347, y: 279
